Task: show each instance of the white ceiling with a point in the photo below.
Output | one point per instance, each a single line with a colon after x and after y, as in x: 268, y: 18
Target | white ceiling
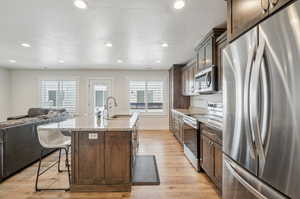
x: 57, y: 30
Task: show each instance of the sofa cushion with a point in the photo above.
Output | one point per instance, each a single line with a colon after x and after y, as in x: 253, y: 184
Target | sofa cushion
x: 34, y: 112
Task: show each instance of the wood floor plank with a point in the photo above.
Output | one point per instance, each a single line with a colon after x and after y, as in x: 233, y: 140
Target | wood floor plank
x: 178, y: 178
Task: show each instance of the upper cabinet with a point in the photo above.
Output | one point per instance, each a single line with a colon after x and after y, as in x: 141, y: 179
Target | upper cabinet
x: 208, y: 53
x: 207, y: 50
x: 244, y: 14
x: 188, y: 78
x: 221, y: 44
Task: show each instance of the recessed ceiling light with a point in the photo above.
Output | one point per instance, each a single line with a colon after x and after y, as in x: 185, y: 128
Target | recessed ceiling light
x: 158, y: 61
x: 120, y: 61
x: 61, y: 61
x: 179, y: 4
x: 108, y: 44
x: 164, y: 45
x: 26, y: 45
x: 80, y: 4
x: 12, y: 61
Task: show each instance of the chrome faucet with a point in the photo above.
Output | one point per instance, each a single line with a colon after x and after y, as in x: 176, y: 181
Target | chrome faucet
x: 107, y: 107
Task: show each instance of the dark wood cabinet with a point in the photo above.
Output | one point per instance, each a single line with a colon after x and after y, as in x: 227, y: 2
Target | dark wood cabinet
x: 102, y: 161
x: 90, y: 151
x: 117, y: 160
x: 188, y: 78
x: 244, y: 14
x: 177, y: 99
x: 218, y: 165
x: 209, y: 52
x: 178, y: 126
x: 200, y: 59
x: 211, y: 154
x: 207, y: 155
x: 221, y: 44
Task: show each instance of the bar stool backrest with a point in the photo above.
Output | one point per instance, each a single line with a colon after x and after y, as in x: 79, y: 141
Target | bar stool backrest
x: 50, y: 138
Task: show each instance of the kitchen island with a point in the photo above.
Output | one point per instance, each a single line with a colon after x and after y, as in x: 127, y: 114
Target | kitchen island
x: 103, y: 151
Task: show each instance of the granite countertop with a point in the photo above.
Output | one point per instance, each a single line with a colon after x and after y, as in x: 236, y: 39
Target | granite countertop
x: 92, y: 123
x: 205, y: 119
x: 201, y: 115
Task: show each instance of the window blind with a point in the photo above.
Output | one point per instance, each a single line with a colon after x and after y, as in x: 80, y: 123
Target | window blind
x: 59, y: 94
x: 146, y: 96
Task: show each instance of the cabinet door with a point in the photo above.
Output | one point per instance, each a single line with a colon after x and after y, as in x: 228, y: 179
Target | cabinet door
x: 177, y: 132
x: 88, y: 156
x: 191, y: 80
x: 201, y: 59
x: 220, y: 47
x: 209, y: 53
x: 172, y: 122
x: 207, y: 154
x: 134, y: 141
x: 244, y: 14
x: 218, y: 165
x: 117, y: 160
x: 181, y: 129
x: 185, y: 82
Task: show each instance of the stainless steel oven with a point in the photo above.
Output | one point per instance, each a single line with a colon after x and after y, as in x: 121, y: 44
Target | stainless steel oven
x: 206, y: 80
x: 191, y: 140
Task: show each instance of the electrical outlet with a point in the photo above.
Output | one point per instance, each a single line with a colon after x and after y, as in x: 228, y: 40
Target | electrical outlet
x: 93, y: 136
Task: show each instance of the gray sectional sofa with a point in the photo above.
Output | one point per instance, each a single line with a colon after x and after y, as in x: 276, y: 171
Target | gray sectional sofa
x: 19, y: 145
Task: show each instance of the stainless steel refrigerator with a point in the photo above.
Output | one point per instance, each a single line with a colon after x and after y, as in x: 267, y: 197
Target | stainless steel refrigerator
x: 261, y: 141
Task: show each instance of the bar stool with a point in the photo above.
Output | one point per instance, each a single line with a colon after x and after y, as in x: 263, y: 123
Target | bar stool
x: 53, y: 139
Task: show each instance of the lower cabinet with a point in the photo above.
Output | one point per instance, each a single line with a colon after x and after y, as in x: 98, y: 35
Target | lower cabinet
x: 207, y: 155
x: 89, y: 151
x: 117, y: 148
x: 177, y: 126
x: 211, y: 155
x: 103, y: 160
x: 218, y: 165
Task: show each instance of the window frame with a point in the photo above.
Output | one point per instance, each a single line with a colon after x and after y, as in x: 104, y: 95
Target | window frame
x: 164, y: 111
x: 61, y: 78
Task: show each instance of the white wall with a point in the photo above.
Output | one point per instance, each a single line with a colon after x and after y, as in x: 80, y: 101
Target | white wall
x: 25, y: 90
x: 5, y: 94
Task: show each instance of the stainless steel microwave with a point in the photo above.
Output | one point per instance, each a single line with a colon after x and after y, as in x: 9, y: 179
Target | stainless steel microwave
x: 206, y: 80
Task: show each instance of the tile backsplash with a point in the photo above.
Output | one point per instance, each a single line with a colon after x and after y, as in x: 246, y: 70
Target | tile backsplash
x: 201, y: 101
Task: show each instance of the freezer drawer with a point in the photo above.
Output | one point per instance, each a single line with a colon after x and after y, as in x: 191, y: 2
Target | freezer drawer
x: 240, y: 184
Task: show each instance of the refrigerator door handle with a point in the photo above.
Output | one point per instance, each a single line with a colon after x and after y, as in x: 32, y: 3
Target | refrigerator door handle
x: 254, y: 103
x: 237, y: 175
x: 249, y: 134
x: 250, y: 182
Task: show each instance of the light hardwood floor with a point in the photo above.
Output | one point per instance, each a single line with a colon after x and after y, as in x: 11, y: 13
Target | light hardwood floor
x: 178, y: 179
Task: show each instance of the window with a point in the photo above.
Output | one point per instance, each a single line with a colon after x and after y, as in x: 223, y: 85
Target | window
x: 146, y: 96
x: 59, y: 94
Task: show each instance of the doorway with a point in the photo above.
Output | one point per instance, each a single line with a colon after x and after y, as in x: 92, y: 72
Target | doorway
x: 99, y: 90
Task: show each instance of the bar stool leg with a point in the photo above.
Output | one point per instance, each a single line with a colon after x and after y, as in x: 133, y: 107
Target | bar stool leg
x: 59, y: 158
x: 38, y: 172
x: 68, y: 166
